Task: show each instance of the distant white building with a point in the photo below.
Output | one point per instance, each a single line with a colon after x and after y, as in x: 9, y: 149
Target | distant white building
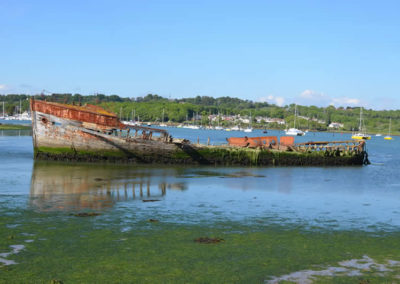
x: 336, y: 125
x: 270, y: 120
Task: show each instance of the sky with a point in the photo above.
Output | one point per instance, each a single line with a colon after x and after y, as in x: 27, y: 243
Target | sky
x: 345, y: 53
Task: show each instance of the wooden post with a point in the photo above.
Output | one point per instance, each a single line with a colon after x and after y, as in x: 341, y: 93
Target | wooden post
x: 198, y: 140
x: 208, y: 141
x: 163, y: 188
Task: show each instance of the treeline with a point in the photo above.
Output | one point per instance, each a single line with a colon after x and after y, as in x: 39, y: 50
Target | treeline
x: 152, y: 107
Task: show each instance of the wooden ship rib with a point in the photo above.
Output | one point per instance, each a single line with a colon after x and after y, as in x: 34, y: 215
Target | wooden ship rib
x: 90, y: 133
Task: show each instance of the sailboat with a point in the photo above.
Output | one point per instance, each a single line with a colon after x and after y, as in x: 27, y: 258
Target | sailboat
x: 249, y: 129
x: 294, y: 131
x: 4, y: 116
x: 162, y: 123
x: 388, y: 137
x: 219, y: 127
x: 361, y: 135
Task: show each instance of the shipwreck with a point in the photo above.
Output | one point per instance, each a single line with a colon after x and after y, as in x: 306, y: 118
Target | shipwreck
x: 90, y: 133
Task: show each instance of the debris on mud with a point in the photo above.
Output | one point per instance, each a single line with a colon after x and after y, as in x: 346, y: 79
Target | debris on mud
x: 207, y: 240
x: 85, y: 214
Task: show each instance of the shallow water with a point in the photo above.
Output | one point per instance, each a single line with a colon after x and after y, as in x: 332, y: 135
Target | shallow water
x: 275, y: 221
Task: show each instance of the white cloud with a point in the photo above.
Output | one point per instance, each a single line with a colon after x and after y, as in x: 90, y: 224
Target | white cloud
x: 3, y: 87
x: 344, y: 101
x: 310, y: 94
x: 279, y: 101
x: 311, y: 97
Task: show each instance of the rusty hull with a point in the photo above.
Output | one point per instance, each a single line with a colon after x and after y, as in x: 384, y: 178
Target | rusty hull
x: 92, y: 115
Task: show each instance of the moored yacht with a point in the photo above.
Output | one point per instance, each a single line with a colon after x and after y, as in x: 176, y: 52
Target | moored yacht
x: 294, y: 131
x: 388, y: 137
x: 249, y: 128
x: 361, y: 135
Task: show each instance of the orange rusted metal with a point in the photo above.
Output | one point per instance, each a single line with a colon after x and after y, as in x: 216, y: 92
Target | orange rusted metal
x: 86, y: 114
x: 264, y: 141
x: 253, y: 142
x: 286, y: 141
x: 238, y: 141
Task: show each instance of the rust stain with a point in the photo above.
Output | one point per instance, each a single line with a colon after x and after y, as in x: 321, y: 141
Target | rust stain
x: 91, y: 117
x: 88, y: 113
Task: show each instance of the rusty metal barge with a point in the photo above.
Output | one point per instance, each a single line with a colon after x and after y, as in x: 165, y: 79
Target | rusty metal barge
x: 90, y: 134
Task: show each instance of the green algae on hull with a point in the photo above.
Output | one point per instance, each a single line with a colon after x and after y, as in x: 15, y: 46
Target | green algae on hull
x: 206, y: 155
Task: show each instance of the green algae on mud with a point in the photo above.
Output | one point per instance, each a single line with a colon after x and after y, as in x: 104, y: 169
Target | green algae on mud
x: 81, y: 250
x: 210, y: 155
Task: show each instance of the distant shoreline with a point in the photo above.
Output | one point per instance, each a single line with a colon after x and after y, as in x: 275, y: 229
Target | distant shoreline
x: 14, y: 127
x: 29, y: 127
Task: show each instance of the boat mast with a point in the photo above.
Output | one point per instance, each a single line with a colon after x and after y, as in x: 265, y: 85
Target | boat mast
x: 360, y: 126
x: 3, y: 110
x: 250, y: 120
x: 390, y: 124
x: 295, y: 114
x: 162, y: 116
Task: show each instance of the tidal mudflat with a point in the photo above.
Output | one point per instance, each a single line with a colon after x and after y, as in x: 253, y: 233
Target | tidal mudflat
x: 90, y: 223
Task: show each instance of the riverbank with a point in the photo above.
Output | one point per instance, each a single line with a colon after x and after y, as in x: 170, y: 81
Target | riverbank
x: 15, y: 127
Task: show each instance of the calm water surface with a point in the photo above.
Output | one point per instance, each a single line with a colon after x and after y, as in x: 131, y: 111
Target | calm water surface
x: 246, y: 206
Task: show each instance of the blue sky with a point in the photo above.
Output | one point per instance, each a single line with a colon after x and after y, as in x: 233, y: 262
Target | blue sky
x: 308, y: 52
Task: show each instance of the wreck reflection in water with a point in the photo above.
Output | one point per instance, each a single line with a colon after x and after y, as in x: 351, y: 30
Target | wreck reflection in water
x: 73, y: 187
